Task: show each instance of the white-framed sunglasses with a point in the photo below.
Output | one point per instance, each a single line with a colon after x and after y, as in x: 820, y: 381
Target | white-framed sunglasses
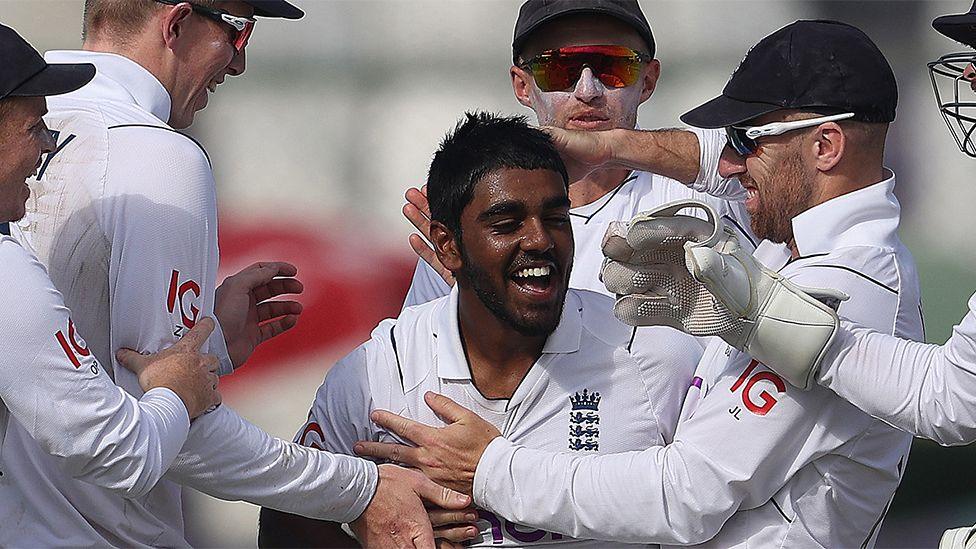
x: 742, y: 139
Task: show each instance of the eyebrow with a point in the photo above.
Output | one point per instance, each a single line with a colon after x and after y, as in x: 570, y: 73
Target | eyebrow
x: 556, y: 202
x: 502, y: 208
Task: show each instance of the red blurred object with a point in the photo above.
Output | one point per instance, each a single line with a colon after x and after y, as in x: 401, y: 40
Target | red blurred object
x: 350, y: 285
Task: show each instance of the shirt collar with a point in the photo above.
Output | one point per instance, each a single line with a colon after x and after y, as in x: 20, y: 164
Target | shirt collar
x: 865, y: 217
x: 451, y: 362
x: 118, y: 78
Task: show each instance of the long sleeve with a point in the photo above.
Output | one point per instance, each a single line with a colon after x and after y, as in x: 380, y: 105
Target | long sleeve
x: 229, y: 458
x: 682, y: 493
x: 55, y: 388
x: 161, y: 220
x: 710, y: 145
x: 425, y: 286
x: 927, y: 390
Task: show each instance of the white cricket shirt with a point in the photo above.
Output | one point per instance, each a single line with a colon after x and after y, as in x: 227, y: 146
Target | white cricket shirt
x: 53, y: 388
x: 754, y: 462
x: 590, y: 392
x: 124, y: 216
x: 640, y: 192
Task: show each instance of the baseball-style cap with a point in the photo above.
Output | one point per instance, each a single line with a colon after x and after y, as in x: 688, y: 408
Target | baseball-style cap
x: 960, y: 27
x: 535, y: 13
x: 275, y: 8
x: 24, y: 73
x: 806, y: 64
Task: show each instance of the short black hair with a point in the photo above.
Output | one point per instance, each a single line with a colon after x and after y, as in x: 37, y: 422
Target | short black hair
x: 480, y: 144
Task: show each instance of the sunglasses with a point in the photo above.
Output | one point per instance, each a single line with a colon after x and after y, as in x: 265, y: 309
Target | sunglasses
x: 243, y: 26
x: 742, y: 139
x: 560, y: 69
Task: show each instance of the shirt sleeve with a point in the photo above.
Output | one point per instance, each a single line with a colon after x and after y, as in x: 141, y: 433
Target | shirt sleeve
x: 927, y: 390
x: 159, y: 213
x: 711, y: 142
x: 681, y: 493
x: 99, y: 433
x: 339, y: 417
x: 426, y: 285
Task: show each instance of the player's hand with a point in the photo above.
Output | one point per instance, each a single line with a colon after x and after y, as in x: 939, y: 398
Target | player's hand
x: 417, y: 211
x: 396, y: 517
x: 453, y: 526
x: 447, y: 455
x: 247, y: 314
x: 180, y: 368
x: 582, y: 151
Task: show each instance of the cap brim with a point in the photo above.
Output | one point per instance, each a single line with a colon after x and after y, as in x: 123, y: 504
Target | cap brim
x: 724, y: 111
x: 55, y: 79
x: 276, y: 8
x: 960, y: 27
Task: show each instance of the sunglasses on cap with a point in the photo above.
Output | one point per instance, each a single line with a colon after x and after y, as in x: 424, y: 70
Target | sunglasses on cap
x: 560, y: 69
x: 742, y: 139
x: 243, y: 26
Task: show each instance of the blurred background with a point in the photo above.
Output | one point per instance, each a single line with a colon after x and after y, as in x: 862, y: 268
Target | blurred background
x: 339, y: 113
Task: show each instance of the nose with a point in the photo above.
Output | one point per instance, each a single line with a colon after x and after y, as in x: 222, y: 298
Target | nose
x: 238, y: 64
x: 48, y: 143
x: 969, y: 74
x: 588, y: 87
x: 536, y: 237
x: 731, y: 163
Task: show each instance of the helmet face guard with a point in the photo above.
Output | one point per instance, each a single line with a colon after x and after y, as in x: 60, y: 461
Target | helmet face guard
x: 958, y: 108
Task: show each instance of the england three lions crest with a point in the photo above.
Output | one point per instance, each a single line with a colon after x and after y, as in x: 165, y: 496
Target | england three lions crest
x: 584, y: 421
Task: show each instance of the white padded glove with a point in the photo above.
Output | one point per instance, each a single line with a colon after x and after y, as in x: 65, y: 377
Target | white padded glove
x: 692, y: 274
x: 959, y: 538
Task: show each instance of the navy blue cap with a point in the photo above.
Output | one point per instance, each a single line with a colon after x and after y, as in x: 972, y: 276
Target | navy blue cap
x: 819, y: 65
x: 24, y: 73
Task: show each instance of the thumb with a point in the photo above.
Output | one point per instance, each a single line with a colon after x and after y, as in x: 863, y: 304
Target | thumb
x: 197, y: 336
x: 132, y: 361
x: 724, y: 276
x: 445, y: 408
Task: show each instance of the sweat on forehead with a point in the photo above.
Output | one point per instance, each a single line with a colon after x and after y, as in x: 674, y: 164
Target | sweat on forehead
x: 480, y: 144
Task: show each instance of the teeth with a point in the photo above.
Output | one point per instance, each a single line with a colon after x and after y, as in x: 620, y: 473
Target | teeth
x: 536, y: 271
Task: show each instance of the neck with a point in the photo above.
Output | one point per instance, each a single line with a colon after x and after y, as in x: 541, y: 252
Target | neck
x: 594, y: 186
x: 498, y: 355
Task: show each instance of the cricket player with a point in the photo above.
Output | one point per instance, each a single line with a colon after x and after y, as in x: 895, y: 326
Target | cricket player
x: 123, y: 215
x: 754, y: 462
x: 49, y: 380
x: 546, y: 365
x: 588, y: 65
x: 927, y: 390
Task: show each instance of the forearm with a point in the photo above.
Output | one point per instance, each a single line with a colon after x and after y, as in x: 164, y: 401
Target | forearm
x: 667, y: 501
x: 228, y: 458
x: 672, y: 153
x: 927, y: 390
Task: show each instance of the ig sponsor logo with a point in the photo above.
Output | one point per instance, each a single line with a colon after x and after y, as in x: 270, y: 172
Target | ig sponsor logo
x: 181, y: 303
x: 74, y: 346
x: 755, y: 396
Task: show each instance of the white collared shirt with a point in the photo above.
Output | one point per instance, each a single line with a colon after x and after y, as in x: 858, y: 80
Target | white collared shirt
x: 124, y: 217
x: 754, y: 462
x: 640, y: 192
x: 590, y: 391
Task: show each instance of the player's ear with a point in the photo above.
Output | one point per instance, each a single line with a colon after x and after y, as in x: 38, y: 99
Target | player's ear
x: 651, y: 73
x: 172, y: 23
x: 446, y: 246
x: 829, y: 145
x: 522, y: 85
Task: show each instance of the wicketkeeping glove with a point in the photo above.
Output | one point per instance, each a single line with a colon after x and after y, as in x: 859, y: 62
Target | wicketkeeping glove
x: 691, y: 274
